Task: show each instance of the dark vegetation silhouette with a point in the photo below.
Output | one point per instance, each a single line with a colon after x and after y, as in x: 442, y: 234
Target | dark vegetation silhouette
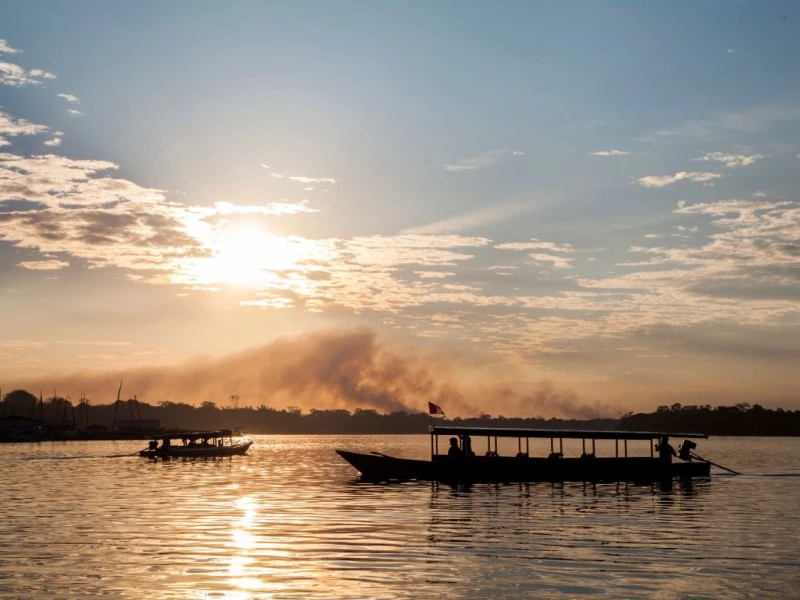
x: 60, y: 413
x: 740, y: 419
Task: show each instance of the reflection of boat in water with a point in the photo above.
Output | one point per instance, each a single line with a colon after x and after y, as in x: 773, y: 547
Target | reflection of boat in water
x: 198, y: 444
x: 460, y: 463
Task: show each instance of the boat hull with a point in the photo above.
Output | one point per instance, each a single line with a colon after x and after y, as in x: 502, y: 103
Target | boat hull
x: 379, y: 467
x: 198, y: 452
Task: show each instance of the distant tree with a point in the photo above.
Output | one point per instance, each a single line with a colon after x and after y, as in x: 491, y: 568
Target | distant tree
x: 20, y: 403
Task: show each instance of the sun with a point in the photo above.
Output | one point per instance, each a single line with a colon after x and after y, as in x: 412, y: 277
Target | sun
x: 248, y: 258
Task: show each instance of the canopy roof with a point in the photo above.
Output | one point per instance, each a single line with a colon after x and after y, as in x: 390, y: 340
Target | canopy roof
x: 198, y: 435
x: 559, y: 433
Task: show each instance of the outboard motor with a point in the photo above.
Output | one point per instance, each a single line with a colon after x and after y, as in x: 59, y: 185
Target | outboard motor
x: 685, y: 450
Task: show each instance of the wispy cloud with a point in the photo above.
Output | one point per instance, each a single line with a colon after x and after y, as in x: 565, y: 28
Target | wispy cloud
x: 543, y: 256
x: 41, y: 74
x: 731, y: 160
x: 298, y: 178
x: 11, y: 127
x: 482, y: 160
x: 273, y: 208
x: 659, y: 181
x: 6, y: 49
x: 69, y: 98
x: 56, y: 141
x: 535, y: 244
x: 43, y: 265
x: 752, y: 120
x: 75, y: 113
x: 15, y: 76
x: 610, y: 153
x: 473, y: 219
x: 731, y: 50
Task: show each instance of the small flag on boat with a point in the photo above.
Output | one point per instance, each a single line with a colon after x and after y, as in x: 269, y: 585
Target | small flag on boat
x: 435, y: 409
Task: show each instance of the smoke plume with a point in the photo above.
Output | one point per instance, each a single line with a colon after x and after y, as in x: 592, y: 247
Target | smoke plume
x: 333, y: 369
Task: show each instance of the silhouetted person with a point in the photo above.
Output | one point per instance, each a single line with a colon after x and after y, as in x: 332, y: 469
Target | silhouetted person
x: 454, y: 450
x: 685, y: 450
x: 665, y: 450
x: 468, y: 446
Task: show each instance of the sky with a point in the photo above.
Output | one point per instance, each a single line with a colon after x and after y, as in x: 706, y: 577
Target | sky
x: 519, y: 208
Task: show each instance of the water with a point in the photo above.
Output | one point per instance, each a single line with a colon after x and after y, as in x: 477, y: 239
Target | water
x: 290, y: 521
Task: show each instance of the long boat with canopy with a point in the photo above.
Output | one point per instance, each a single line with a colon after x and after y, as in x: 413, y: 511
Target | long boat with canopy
x: 464, y: 457
x: 196, y: 444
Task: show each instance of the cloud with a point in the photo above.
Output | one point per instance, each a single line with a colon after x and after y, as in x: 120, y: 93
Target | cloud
x: 535, y: 244
x: 10, y: 126
x: 731, y: 50
x: 558, y: 262
x: 731, y: 160
x: 482, y: 160
x: 472, y: 219
x: 69, y: 98
x: 75, y: 113
x: 40, y: 74
x: 6, y: 49
x: 298, y: 178
x: 658, y: 181
x: 538, y: 258
x: 14, y: 75
x: 610, y: 153
x: 43, y: 265
x: 753, y: 120
x: 56, y: 141
x: 273, y: 208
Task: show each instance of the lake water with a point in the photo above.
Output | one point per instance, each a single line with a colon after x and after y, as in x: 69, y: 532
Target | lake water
x: 290, y: 520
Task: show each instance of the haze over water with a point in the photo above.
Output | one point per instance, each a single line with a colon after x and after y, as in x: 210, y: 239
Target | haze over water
x: 290, y: 520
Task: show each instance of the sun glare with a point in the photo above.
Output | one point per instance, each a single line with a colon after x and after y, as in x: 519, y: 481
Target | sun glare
x: 249, y: 258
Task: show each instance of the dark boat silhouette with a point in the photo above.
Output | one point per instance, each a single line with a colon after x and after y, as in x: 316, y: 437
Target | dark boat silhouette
x: 196, y: 444
x: 460, y: 463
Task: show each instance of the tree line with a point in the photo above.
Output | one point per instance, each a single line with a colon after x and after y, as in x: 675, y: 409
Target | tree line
x: 739, y: 419
x: 58, y: 412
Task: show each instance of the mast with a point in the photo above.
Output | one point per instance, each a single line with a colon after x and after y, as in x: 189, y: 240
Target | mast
x: 116, y: 406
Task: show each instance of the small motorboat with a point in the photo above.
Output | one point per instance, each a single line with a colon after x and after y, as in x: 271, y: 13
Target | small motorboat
x: 196, y: 444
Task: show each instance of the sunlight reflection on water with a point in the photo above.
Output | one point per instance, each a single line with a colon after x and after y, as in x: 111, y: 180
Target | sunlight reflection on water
x: 290, y: 520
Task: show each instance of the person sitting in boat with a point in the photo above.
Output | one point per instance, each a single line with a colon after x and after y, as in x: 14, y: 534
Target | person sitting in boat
x: 165, y: 444
x: 454, y: 450
x: 152, y: 445
x: 468, y: 446
x: 665, y: 449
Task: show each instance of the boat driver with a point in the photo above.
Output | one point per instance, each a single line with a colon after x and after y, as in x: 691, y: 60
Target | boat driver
x: 454, y: 450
